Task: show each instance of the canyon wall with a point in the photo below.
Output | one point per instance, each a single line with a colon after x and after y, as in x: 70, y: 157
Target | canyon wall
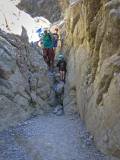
x: 25, y: 88
x: 92, y: 47
x: 48, y: 9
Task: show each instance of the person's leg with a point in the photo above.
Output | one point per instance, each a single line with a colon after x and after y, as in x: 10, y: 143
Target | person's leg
x: 45, y: 54
x: 55, y: 45
x: 48, y: 58
x: 64, y: 73
x: 54, y: 49
x: 61, y: 75
x: 52, y: 56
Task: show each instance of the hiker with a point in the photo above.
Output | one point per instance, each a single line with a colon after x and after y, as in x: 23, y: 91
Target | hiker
x: 55, y: 38
x: 62, y: 67
x: 48, y: 52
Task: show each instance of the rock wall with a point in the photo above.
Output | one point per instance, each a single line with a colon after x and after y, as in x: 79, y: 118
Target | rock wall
x: 25, y: 89
x: 12, y: 20
x: 93, y: 49
x: 49, y: 9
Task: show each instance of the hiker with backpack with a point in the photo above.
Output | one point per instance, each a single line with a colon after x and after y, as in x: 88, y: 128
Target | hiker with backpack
x: 48, y: 51
x: 62, y: 67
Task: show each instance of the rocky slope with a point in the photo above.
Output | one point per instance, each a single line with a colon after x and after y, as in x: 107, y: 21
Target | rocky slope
x: 12, y: 20
x: 50, y: 9
x: 41, y: 8
x: 25, y: 88
x: 93, y: 51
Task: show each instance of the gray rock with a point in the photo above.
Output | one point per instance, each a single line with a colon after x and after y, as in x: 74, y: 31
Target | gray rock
x: 57, y: 109
x: 60, y: 112
x: 59, y: 87
x: 24, y: 85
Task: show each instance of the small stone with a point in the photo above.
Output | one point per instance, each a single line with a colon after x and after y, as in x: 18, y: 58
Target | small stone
x: 25, y: 123
x: 60, y: 112
x: 105, y: 138
x: 58, y: 108
x: 12, y: 134
x: 19, y: 124
x: 83, y: 146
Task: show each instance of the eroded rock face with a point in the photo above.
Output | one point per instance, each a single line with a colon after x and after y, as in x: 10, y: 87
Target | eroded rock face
x: 15, y: 21
x: 93, y: 31
x: 25, y: 88
x: 49, y: 9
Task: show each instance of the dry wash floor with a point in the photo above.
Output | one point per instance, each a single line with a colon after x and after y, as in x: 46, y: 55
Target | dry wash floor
x: 48, y: 137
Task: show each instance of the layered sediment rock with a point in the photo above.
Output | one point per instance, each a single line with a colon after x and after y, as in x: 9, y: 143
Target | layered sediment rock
x: 93, y: 51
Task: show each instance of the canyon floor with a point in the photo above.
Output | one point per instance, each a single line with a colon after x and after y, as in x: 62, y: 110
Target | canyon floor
x: 49, y: 137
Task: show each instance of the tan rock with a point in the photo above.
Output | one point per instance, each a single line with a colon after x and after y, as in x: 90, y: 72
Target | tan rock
x: 92, y: 48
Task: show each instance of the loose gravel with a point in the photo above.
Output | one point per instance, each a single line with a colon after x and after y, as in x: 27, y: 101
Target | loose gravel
x: 49, y: 137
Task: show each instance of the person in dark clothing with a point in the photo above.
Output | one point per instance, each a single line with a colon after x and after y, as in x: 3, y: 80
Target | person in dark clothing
x: 62, y: 68
x: 55, y: 39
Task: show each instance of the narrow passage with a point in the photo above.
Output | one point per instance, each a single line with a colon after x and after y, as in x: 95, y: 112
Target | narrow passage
x: 49, y: 137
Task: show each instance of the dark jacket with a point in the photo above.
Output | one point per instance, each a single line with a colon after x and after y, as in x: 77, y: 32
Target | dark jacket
x: 62, y: 65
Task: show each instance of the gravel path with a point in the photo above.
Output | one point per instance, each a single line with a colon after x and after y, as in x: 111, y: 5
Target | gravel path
x: 49, y: 137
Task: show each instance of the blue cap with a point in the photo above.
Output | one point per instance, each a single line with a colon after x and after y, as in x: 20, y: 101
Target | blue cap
x: 60, y: 56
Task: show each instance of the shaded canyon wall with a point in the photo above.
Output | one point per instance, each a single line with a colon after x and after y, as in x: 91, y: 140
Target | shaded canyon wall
x: 93, y: 49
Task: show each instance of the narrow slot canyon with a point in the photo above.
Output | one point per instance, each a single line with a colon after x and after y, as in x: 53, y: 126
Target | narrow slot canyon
x: 44, y: 116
